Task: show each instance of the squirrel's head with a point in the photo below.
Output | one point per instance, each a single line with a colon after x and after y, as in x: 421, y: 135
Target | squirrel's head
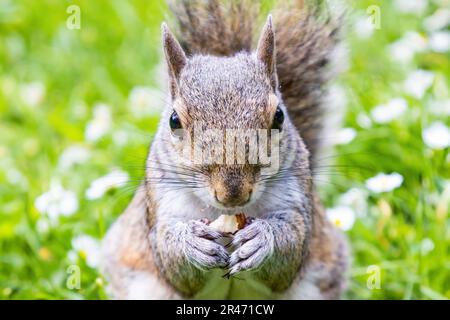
x: 230, y: 112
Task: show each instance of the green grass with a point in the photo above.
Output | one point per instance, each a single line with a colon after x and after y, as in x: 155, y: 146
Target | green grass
x: 406, y: 232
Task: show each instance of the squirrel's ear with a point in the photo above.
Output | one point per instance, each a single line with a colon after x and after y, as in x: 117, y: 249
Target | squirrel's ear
x: 266, y: 48
x: 175, y: 56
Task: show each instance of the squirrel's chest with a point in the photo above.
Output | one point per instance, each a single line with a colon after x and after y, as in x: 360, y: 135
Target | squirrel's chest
x: 242, y: 286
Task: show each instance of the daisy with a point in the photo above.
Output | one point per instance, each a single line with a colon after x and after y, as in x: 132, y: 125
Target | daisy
x: 440, y: 41
x: 100, y: 124
x: 89, y: 248
x: 100, y: 186
x: 427, y: 245
x: 384, y: 182
x: 411, y: 6
x: 57, y: 201
x: 342, y: 217
x: 436, y: 136
x: 74, y: 155
x: 404, y: 49
x: 387, y: 112
x: 364, y: 121
x: 418, y: 82
x: 345, y: 135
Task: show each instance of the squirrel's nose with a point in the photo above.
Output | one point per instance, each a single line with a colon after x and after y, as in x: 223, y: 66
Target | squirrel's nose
x: 233, y: 195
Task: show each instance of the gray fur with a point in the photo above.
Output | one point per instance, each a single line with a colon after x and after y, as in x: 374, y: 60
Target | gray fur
x: 279, y: 247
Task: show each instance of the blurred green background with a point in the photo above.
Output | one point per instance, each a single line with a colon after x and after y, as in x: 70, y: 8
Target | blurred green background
x: 78, y: 108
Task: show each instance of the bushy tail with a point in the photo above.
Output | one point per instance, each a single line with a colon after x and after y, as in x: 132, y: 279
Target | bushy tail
x: 213, y: 26
x: 306, y: 39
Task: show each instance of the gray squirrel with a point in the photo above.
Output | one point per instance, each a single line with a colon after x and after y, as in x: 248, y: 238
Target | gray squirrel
x: 162, y: 246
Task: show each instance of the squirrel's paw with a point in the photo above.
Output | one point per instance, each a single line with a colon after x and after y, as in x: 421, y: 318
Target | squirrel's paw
x: 201, y: 248
x: 254, y: 244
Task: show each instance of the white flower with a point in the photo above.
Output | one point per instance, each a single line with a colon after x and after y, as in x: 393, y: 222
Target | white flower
x: 411, y: 6
x: 57, y: 201
x: 401, y: 52
x: 440, y: 41
x: 418, y: 82
x: 33, y: 93
x: 100, y: 124
x: 100, y: 186
x: 436, y: 136
x: 387, y: 112
x: 363, y: 121
x: 427, y: 245
x: 364, y: 27
x: 438, y: 20
x: 384, y: 182
x: 356, y: 199
x: 342, y: 217
x: 74, y: 155
x: 89, y: 247
x: 145, y: 101
x: 404, y: 49
x: 345, y: 135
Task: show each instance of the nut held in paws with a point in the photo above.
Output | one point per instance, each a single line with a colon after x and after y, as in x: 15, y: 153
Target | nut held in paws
x: 229, y: 223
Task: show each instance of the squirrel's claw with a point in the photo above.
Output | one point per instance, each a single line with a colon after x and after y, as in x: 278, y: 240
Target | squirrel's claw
x: 253, y: 247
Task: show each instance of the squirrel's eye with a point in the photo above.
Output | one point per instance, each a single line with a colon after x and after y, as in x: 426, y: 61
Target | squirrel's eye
x: 174, y: 121
x: 278, y: 119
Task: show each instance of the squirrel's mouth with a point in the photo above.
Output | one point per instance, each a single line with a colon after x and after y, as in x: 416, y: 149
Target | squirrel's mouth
x: 231, y: 208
